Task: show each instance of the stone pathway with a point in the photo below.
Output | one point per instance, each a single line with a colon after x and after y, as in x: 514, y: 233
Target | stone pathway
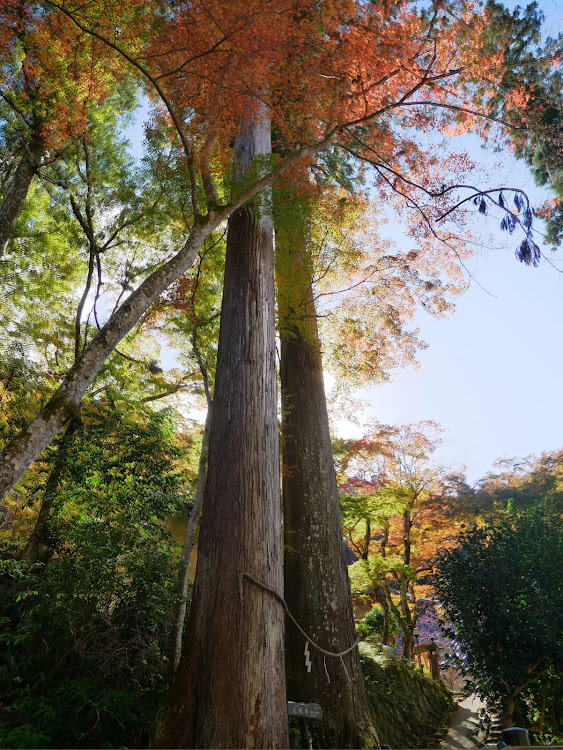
x: 464, y: 730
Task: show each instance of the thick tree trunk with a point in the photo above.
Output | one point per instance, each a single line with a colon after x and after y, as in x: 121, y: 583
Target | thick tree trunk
x: 229, y: 689
x: 31, y: 550
x: 184, y: 567
x: 507, y: 713
x: 16, y: 191
x: 317, y: 588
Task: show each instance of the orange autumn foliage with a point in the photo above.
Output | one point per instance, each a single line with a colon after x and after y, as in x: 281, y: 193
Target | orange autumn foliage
x: 368, y: 77
x: 50, y: 74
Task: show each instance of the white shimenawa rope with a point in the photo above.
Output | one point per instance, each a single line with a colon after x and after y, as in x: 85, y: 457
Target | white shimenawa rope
x: 282, y: 601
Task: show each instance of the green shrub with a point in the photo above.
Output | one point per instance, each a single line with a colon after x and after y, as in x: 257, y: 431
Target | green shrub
x: 84, y: 632
x: 372, y: 625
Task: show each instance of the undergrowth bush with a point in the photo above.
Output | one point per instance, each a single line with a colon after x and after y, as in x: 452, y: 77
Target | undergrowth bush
x: 84, y: 630
x: 372, y: 625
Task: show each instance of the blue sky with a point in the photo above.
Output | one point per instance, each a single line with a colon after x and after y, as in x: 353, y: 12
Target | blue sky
x: 492, y: 372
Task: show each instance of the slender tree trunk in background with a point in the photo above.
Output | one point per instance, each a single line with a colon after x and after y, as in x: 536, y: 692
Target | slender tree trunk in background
x: 407, y: 525
x: 507, y: 713
x: 407, y: 621
x: 381, y: 593
x: 382, y: 600
x: 16, y: 191
x: 184, y: 568
x: 402, y: 617
x: 63, y: 404
x: 317, y: 587
x: 367, y: 539
x: 409, y: 615
x: 229, y: 689
x: 31, y: 550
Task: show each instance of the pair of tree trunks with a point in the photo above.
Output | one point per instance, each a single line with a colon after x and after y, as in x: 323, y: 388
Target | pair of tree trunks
x: 235, y: 628
x: 229, y: 688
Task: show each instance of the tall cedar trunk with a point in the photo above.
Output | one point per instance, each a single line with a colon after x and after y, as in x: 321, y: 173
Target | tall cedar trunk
x: 317, y: 587
x: 16, y: 191
x: 31, y: 550
x: 229, y: 689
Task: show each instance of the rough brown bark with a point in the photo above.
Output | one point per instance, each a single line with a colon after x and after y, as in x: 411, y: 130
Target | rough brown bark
x: 229, y: 689
x: 317, y: 588
x: 16, y: 191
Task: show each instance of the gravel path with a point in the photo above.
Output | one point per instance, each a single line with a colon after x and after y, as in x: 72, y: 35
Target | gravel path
x: 464, y: 730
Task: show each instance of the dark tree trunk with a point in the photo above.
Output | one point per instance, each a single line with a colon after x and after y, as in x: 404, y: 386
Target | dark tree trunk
x: 407, y: 623
x: 30, y: 552
x: 367, y: 539
x: 229, y: 689
x: 382, y: 597
x: 317, y: 588
x: 16, y: 191
x: 407, y: 525
x: 507, y: 713
x: 382, y: 600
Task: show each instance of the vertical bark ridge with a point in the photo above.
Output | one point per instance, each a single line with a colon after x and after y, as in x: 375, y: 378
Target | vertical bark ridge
x: 317, y: 587
x: 229, y: 689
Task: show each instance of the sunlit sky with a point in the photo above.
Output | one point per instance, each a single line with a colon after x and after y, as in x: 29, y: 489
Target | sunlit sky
x: 492, y: 372
x: 491, y: 375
